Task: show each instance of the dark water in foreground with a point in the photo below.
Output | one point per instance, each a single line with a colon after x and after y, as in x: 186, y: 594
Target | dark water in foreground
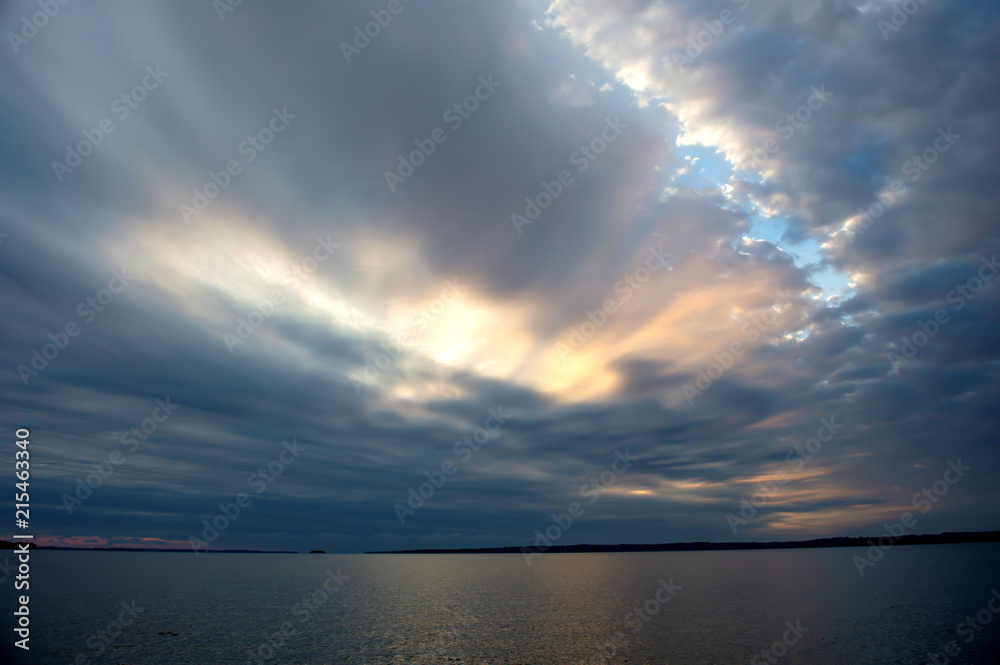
x: 465, y: 609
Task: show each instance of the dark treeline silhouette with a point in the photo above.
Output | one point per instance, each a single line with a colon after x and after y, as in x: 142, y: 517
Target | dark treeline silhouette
x: 863, y: 541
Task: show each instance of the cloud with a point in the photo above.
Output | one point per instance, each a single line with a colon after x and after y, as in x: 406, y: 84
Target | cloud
x: 433, y: 308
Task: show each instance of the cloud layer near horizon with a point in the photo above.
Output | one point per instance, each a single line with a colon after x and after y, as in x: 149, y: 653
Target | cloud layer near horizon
x: 595, y: 326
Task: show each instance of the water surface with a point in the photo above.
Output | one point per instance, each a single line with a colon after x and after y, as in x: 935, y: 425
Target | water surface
x: 465, y: 609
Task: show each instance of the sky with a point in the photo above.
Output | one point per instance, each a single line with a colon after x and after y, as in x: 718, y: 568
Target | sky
x: 387, y: 275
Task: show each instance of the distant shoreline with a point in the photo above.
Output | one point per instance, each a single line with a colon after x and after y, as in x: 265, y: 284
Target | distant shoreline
x: 7, y: 545
x: 949, y: 538
x: 863, y: 541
